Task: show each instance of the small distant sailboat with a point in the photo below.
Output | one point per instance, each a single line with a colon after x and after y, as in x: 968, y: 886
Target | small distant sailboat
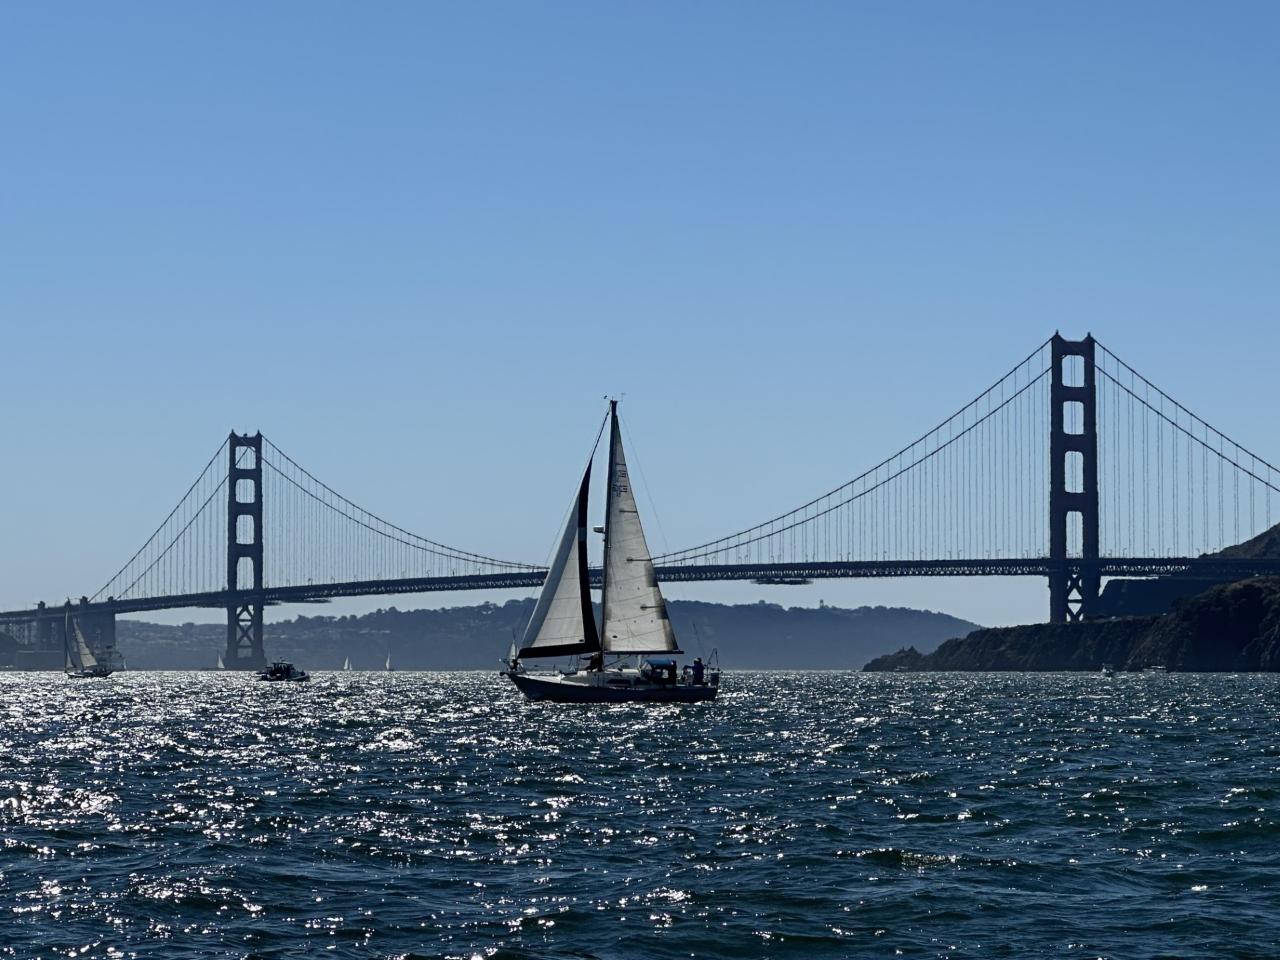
x: 635, y: 624
x: 80, y: 660
x: 389, y: 667
x: 221, y: 665
x: 346, y: 664
x: 1108, y: 670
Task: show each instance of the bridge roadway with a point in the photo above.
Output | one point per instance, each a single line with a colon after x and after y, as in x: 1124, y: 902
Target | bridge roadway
x: 767, y: 573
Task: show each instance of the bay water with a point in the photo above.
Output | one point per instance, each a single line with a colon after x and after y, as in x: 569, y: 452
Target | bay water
x: 802, y: 814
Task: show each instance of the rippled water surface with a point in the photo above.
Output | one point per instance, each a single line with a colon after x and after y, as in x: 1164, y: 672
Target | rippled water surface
x: 805, y: 814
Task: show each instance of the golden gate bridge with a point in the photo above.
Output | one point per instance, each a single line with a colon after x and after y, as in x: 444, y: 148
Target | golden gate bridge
x: 1072, y: 466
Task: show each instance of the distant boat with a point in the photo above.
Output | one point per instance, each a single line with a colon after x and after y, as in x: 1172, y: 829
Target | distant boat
x: 1108, y: 670
x: 635, y: 615
x: 284, y: 670
x: 346, y: 664
x: 1156, y: 668
x: 389, y: 667
x: 80, y: 661
x: 221, y: 665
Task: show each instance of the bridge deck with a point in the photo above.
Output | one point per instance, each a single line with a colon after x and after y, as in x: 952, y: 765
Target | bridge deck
x: 1208, y: 567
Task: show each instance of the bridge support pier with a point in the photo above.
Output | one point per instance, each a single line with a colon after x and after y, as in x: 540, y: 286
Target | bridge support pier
x: 44, y: 629
x: 1074, y: 584
x: 244, y: 554
x: 98, y: 627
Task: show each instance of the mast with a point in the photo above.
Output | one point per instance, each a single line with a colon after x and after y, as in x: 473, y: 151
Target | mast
x: 608, y: 514
x: 66, y: 642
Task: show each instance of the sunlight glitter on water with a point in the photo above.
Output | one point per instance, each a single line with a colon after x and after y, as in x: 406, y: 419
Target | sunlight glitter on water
x: 821, y: 814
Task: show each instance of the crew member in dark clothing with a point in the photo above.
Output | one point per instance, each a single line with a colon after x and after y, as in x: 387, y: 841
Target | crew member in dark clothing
x: 697, y: 671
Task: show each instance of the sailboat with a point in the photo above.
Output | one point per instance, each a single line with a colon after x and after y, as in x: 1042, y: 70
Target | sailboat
x: 631, y: 657
x: 346, y: 664
x: 389, y: 667
x: 80, y: 661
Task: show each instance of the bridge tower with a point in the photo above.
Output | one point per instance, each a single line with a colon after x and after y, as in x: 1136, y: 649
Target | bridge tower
x: 244, y: 553
x: 1073, y: 481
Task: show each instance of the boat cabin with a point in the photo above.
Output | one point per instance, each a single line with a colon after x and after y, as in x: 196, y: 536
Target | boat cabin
x: 659, y: 670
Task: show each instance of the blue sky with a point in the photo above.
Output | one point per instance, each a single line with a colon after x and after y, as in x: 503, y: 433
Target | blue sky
x: 416, y: 243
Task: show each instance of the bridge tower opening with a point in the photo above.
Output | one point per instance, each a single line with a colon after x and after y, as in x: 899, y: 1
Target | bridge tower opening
x: 1074, y: 582
x: 244, y: 554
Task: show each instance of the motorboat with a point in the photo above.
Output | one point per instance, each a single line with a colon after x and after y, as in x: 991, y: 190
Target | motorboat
x: 283, y: 670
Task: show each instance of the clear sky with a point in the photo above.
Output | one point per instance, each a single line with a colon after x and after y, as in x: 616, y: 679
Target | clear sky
x: 416, y: 243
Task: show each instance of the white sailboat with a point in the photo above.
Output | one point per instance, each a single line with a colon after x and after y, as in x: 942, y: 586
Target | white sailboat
x: 389, y: 667
x: 80, y: 660
x: 346, y: 664
x: 632, y: 656
x: 221, y: 665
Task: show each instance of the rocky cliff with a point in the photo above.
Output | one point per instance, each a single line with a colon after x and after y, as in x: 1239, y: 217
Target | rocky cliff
x: 1232, y: 627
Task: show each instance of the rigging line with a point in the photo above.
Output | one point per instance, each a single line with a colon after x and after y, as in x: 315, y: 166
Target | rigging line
x: 333, y: 536
x: 1236, y: 485
x: 1160, y: 515
x: 1204, y: 483
x: 865, y: 473
x: 216, y: 490
x: 1184, y: 409
x: 1222, y: 536
x: 158, y: 529
x: 1115, y: 466
x: 684, y: 555
x: 1239, y: 466
x: 648, y: 493
x: 1131, y: 478
x: 454, y: 552
x: 1173, y: 486
x: 564, y: 518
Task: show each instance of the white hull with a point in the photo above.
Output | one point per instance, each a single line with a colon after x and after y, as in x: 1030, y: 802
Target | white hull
x: 90, y: 673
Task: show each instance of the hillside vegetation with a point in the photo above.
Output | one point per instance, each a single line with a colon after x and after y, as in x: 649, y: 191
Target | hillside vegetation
x: 747, y: 636
x: 1232, y: 627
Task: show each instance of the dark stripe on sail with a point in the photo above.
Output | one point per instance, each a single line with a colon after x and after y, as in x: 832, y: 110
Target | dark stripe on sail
x: 590, y: 636
x: 559, y: 650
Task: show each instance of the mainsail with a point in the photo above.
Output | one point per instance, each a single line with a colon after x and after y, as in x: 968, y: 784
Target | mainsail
x: 563, y: 622
x: 635, y: 615
x: 79, y: 656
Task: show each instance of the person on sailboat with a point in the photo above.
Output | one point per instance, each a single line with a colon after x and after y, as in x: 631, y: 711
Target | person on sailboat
x: 697, y: 671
